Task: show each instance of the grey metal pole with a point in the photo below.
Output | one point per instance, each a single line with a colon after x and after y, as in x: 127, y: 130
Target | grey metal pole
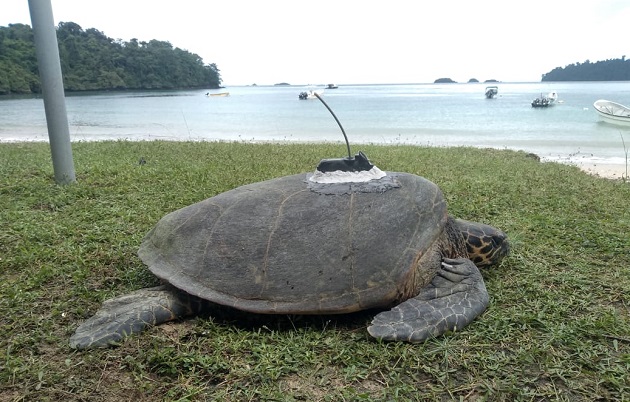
x: 52, y: 89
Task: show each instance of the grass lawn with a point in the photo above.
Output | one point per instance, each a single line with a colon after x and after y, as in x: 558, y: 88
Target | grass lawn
x: 558, y: 325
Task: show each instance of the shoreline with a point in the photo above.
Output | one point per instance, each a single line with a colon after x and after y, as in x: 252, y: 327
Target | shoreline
x: 607, y: 171
x: 603, y: 169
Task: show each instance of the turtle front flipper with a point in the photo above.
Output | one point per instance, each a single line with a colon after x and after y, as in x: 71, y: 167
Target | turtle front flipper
x: 455, y: 296
x: 132, y: 313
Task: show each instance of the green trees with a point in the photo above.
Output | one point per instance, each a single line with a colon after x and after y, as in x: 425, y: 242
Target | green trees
x: 606, y: 70
x: 18, y: 63
x: 92, y: 61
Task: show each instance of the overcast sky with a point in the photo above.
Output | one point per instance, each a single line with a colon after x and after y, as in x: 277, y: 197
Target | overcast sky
x: 362, y: 41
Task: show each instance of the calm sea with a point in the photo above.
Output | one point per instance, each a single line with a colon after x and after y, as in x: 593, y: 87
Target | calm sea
x: 423, y: 114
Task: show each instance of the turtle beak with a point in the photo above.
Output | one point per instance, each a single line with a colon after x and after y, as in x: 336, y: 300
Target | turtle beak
x: 499, y: 249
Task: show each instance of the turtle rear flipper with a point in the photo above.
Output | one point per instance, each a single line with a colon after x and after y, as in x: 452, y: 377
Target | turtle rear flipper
x: 132, y: 313
x: 455, y: 296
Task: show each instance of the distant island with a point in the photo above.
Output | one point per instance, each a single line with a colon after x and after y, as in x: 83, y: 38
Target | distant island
x: 450, y: 81
x: 606, y: 70
x: 92, y: 61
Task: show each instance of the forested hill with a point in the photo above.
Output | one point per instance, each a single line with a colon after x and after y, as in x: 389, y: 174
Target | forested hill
x: 607, y: 70
x: 92, y: 61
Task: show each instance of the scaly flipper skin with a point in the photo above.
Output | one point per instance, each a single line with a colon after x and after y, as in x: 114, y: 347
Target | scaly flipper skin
x: 129, y: 314
x: 451, y: 301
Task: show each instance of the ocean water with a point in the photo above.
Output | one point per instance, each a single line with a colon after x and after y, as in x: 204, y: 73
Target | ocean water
x: 416, y: 114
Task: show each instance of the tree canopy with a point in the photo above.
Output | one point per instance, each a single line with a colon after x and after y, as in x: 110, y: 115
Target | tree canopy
x: 92, y: 61
x: 606, y: 70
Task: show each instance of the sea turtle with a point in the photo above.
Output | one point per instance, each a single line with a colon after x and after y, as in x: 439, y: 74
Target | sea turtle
x: 292, y: 245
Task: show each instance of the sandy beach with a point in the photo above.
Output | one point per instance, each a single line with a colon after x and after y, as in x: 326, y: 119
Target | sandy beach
x: 608, y: 171
x: 618, y: 170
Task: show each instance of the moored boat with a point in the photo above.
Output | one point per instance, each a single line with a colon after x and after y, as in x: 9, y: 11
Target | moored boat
x: 209, y: 94
x: 310, y: 94
x: 612, y: 112
x: 491, y: 91
x: 545, y: 100
x: 541, y: 101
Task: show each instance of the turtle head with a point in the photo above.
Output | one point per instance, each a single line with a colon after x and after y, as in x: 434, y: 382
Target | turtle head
x: 486, y: 245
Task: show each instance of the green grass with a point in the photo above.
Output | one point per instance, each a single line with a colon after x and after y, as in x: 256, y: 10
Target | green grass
x: 558, y: 326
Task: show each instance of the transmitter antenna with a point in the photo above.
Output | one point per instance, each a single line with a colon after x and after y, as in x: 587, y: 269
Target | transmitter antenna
x: 338, y: 122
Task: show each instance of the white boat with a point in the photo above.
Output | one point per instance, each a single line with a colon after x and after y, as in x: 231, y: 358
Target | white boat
x: 612, y: 112
x: 545, y: 101
x: 491, y: 91
x: 310, y: 94
x: 209, y: 94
